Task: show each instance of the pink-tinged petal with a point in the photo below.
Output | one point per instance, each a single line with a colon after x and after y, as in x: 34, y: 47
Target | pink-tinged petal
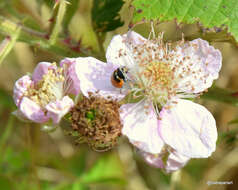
x: 56, y: 110
x: 32, y: 111
x: 153, y: 159
x: 119, y: 51
x: 20, y: 88
x: 41, y: 69
x: 72, y: 80
x: 140, y: 126
x: 201, y: 64
x: 134, y: 38
x: 95, y: 75
x: 174, y: 161
x: 189, y: 128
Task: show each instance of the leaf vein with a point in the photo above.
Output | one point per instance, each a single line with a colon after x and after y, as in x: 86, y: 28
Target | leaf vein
x: 212, y: 16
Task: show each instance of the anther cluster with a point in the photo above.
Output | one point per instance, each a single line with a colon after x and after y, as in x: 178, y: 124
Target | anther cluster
x: 49, y: 88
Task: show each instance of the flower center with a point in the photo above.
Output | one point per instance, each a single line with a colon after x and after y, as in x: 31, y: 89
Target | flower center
x: 96, y: 121
x: 154, y: 73
x: 49, y: 88
x: 158, y: 74
x: 157, y: 78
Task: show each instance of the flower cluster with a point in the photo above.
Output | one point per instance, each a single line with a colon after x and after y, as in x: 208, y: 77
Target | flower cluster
x: 159, y: 78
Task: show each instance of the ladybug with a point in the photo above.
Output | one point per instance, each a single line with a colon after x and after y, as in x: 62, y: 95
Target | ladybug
x: 118, y: 77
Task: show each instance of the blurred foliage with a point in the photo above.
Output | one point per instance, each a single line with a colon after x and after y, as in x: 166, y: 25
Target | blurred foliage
x: 105, y: 15
x: 221, y: 95
x: 48, y: 30
x: 6, y: 100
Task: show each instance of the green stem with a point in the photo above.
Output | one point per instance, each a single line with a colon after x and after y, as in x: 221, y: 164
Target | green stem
x: 7, y: 44
x: 39, y: 39
x: 220, y: 95
x: 7, y: 131
x: 56, y: 20
x: 4, y: 137
x: 175, y: 179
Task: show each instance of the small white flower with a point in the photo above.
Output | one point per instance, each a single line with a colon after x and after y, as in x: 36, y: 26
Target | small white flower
x: 44, y: 95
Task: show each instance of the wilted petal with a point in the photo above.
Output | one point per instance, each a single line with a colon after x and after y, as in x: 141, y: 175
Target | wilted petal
x: 95, y: 75
x: 72, y: 80
x: 20, y: 88
x: 201, y: 64
x: 32, y: 111
x: 119, y: 51
x: 189, y: 128
x: 41, y: 69
x: 174, y: 161
x: 141, y: 127
x: 56, y: 110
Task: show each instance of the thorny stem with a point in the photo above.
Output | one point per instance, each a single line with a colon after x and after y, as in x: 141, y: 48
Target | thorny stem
x: 56, y: 20
x: 8, y: 43
x: 40, y: 39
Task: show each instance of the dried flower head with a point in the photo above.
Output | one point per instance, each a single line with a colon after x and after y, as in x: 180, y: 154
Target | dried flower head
x: 96, y: 121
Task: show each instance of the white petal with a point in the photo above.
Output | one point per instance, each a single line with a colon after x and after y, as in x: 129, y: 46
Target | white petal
x: 141, y: 127
x: 189, y: 128
x: 32, y: 111
x: 21, y: 86
x: 153, y: 159
x: 72, y: 82
x: 119, y: 51
x: 95, y: 75
x: 174, y: 162
x: 201, y: 64
x: 56, y: 110
x: 41, y: 69
x: 134, y: 38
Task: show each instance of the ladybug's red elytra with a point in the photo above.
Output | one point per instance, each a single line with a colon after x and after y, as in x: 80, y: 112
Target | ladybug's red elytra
x: 118, y: 77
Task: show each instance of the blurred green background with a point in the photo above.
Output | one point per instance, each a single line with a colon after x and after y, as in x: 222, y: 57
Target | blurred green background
x: 35, y: 160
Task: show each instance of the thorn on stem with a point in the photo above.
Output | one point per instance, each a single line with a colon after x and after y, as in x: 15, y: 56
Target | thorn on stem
x: 67, y: 40
x: 47, y: 36
x: 51, y: 20
x: 235, y: 94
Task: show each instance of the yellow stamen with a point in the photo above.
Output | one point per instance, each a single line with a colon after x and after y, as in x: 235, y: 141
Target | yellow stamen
x: 45, y: 90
